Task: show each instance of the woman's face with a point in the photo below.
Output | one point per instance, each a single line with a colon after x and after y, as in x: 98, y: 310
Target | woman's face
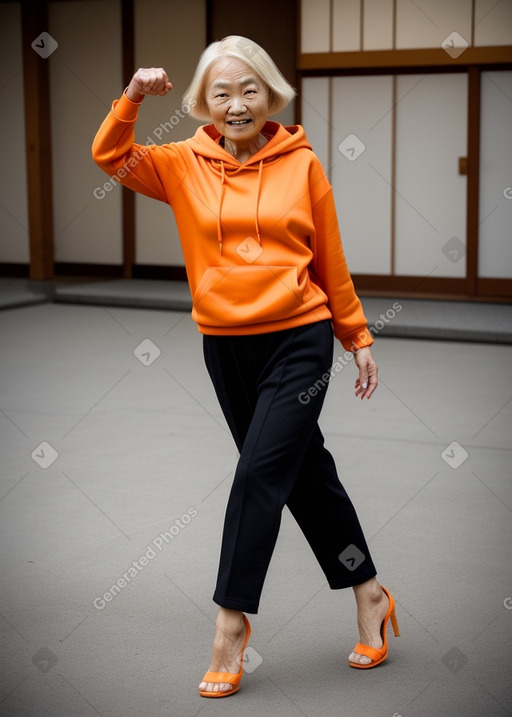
x: 237, y: 99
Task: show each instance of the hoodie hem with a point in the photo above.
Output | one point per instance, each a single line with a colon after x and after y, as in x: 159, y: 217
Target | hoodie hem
x: 359, y: 338
x: 320, y: 314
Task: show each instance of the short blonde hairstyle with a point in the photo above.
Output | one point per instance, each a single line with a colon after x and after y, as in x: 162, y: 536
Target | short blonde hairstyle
x: 280, y: 91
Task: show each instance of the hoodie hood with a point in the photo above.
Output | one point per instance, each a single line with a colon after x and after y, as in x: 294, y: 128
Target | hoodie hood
x: 281, y: 140
x: 206, y: 142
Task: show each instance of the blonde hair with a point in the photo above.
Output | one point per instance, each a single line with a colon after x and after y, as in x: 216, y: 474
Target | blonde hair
x: 280, y: 91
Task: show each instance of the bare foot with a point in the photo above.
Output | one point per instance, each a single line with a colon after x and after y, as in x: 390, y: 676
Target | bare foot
x: 372, y: 606
x: 227, y: 647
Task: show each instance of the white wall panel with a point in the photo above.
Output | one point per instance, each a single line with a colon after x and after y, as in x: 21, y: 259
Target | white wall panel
x: 495, y: 246
x: 346, y: 25
x: 361, y: 170
x: 85, y: 76
x: 378, y: 25
x: 315, y: 25
x: 493, y: 22
x: 14, y: 241
x: 426, y: 23
x: 315, y: 116
x: 174, y: 42
x: 431, y: 196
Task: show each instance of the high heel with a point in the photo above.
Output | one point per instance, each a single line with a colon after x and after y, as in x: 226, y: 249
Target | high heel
x: 228, y: 677
x: 378, y: 655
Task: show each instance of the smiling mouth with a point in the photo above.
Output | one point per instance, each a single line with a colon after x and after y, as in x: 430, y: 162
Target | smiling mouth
x: 239, y: 123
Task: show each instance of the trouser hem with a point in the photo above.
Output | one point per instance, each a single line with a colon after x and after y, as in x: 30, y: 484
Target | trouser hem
x: 234, y: 604
x: 349, y: 582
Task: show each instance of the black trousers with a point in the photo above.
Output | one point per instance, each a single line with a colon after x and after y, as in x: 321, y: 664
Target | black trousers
x: 262, y: 384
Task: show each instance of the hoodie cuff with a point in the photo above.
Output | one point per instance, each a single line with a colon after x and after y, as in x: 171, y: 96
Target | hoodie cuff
x: 124, y: 109
x: 357, y: 340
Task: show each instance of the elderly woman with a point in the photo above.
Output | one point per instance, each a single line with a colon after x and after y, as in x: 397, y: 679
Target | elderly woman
x: 270, y: 288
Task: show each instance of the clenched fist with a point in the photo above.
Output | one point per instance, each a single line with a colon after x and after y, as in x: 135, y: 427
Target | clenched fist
x: 148, y: 81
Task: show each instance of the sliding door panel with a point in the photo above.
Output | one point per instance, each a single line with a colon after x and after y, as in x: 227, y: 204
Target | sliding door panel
x: 430, y: 197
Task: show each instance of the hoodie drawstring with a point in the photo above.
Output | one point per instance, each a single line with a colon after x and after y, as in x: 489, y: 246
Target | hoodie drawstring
x: 219, y: 226
x: 221, y: 199
x: 258, y: 190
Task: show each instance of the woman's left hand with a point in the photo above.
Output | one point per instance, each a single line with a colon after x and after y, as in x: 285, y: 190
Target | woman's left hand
x: 367, y: 380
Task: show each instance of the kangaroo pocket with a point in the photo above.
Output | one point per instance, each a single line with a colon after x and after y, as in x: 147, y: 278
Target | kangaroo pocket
x: 242, y: 295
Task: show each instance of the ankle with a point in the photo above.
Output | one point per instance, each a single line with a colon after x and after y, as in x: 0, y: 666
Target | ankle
x: 229, y: 621
x: 368, y: 592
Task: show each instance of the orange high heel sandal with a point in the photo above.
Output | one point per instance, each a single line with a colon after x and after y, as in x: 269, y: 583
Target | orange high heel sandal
x: 228, y: 677
x: 378, y: 655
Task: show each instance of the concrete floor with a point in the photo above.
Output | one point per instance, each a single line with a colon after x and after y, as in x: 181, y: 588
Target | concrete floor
x: 110, y: 434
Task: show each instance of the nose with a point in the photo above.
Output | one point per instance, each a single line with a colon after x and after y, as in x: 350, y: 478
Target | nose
x: 237, y: 106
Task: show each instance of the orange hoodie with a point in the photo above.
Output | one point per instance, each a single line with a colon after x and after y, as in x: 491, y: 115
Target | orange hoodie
x: 261, y: 241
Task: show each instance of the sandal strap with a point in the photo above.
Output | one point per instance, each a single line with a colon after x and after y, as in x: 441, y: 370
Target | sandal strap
x: 218, y: 677
x: 372, y: 652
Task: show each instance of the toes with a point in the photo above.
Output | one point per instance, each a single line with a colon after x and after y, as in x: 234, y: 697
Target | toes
x: 359, y: 659
x: 214, y: 687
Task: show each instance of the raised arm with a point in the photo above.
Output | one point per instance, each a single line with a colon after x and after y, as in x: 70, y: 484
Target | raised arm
x: 142, y: 168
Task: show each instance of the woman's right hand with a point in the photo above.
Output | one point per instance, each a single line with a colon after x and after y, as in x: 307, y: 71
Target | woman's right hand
x: 148, y: 81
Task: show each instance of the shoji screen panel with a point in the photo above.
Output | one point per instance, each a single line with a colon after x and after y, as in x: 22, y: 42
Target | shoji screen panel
x: 361, y: 169
x: 354, y: 25
x: 346, y: 25
x: 495, y: 246
x: 493, y: 22
x: 173, y: 38
x: 315, y: 18
x: 14, y: 242
x: 430, y: 200
x: 427, y: 24
x: 377, y: 25
x: 315, y: 109
x: 85, y: 77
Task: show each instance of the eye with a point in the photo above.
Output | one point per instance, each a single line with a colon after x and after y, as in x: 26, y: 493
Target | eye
x: 253, y: 92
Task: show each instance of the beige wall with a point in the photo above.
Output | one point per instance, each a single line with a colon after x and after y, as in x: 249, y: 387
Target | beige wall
x: 85, y: 75
x: 173, y: 40
x: 495, y: 254
x: 14, y: 244
x: 87, y: 224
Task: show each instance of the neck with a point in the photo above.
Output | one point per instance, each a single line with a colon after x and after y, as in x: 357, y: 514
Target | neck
x: 245, y: 150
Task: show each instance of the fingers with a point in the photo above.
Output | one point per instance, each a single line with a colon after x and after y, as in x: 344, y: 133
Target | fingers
x: 367, y: 379
x: 365, y: 388
x: 152, y: 81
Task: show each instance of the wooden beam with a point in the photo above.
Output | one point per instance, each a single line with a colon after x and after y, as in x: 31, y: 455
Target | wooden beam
x: 395, y: 59
x: 411, y: 284
x: 128, y: 196
x: 473, y: 179
x: 36, y: 87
